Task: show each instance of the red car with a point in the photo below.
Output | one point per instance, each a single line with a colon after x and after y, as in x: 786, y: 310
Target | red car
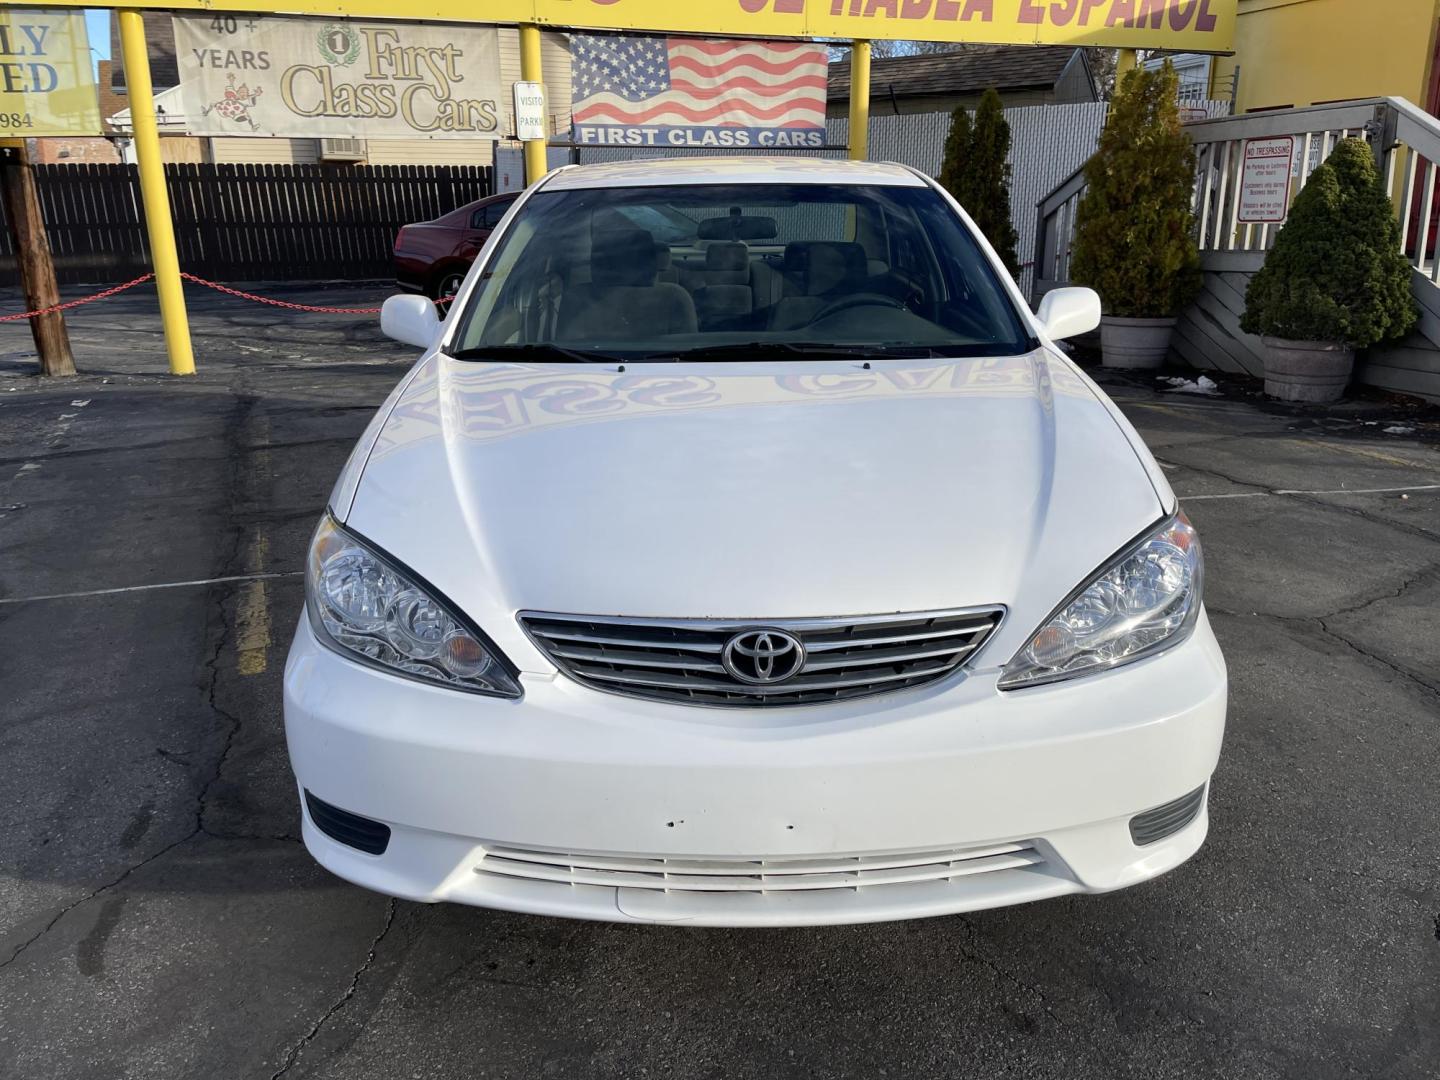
x: 431, y: 257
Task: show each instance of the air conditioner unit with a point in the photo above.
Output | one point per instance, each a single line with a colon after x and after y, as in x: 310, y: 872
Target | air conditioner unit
x: 342, y: 149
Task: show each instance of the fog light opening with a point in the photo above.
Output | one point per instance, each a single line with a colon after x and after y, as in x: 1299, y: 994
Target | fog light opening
x: 1167, y: 819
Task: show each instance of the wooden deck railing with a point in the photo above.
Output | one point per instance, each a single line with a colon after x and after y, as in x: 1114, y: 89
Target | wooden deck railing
x: 1407, y: 144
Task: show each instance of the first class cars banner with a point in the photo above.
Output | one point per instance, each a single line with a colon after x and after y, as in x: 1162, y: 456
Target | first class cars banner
x: 645, y: 90
x: 338, y: 78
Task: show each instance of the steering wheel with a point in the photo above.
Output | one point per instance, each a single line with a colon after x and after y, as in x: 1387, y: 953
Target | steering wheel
x: 863, y: 299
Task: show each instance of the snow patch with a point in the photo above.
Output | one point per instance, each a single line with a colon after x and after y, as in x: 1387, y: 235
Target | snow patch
x: 1180, y: 385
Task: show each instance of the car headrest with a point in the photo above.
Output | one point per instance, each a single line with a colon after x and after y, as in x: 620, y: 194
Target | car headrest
x: 662, y: 258
x: 737, y: 227
x: 821, y: 265
x: 727, y: 255
x: 623, y: 257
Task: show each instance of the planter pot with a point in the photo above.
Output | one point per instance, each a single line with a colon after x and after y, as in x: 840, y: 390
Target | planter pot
x: 1310, y: 371
x: 1134, y: 343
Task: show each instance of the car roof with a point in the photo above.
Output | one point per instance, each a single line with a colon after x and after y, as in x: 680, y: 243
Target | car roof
x: 464, y: 210
x: 736, y: 169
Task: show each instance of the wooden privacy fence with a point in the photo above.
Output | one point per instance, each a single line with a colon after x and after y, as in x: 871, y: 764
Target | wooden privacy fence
x: 243, y: 222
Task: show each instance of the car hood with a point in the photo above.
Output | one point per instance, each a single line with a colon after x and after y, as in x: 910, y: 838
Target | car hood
x: 752, y: 491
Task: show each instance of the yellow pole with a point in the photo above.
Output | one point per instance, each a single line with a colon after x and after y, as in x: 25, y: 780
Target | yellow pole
x: 859, y: 100
x: 1125, y: 60
x: 152, y: 190
x: 530, y: 71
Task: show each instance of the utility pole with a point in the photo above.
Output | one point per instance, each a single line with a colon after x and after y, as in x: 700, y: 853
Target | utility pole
x: 32, y: 255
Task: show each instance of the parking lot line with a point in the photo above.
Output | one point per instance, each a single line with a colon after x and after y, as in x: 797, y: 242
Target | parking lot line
x: 1296, y: 491
x: 147, y: 588
x: 253, y: 616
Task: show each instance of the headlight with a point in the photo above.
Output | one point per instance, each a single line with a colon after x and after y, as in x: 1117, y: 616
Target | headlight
x: 1144, y: 601
x: 365, y: 607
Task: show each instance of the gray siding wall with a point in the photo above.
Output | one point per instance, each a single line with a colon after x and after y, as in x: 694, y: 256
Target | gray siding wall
x: 1047, y: 144
x: 882, y: 105
x: 1411, y: 366
x: 1075, y: 83
x: 1209, y: 335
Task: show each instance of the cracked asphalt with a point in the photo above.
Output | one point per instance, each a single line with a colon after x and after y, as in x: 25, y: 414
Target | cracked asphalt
x: 158, y: 917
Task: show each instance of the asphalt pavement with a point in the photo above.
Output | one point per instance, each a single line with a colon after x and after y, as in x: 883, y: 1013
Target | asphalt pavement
x: 159, y: 918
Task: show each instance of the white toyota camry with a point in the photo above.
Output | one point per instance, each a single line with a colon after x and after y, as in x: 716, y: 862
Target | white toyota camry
x: 743, y: 551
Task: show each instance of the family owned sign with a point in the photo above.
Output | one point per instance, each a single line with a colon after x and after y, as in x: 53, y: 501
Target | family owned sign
x: 47, y: 84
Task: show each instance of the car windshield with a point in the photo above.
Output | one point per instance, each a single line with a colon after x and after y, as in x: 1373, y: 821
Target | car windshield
x: 738, y: 271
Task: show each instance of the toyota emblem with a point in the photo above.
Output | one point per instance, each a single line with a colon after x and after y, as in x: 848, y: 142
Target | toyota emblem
x: 763, y: 656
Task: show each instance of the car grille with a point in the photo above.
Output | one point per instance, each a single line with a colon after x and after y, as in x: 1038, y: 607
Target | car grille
x: 758, y: 875
x: 681, y: 660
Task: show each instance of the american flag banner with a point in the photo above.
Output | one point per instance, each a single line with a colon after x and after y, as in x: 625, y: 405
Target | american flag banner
x: 675, y: 91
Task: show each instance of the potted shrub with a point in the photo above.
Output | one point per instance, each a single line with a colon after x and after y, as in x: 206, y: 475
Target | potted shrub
x: 1134, y: 243
x: 976, y: 173
x: 1335, y: 281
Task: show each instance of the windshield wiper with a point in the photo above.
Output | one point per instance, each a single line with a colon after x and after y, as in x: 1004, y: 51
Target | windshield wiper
x: 759, y: 350
x: 542, y: 351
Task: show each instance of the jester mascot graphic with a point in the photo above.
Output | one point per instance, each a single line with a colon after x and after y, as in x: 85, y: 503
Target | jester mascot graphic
x: 236, y: 104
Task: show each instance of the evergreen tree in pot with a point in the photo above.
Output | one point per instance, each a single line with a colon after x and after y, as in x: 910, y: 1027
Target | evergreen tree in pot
x: 1134, y: 242
x: 1335, y: 281
x: 976, y: 173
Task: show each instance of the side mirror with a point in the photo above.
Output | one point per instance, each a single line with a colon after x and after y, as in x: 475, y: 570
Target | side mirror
x: 1067, y: 313
x: 411, y: 319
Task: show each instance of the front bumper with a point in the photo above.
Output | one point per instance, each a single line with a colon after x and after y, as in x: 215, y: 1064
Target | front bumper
x: 571, y: 777
x: 411, y: 272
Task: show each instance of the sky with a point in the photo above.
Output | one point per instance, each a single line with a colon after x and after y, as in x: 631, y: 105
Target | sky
x: 97, y: 28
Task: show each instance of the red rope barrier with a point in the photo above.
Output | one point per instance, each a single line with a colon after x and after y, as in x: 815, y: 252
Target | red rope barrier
x: 77, y: 303
x: 209, y: 285
x: 228, y: 291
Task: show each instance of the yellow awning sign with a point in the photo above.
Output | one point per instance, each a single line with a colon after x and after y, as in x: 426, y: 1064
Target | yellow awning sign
x: 1181, y: 25
x: 47, y: 81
